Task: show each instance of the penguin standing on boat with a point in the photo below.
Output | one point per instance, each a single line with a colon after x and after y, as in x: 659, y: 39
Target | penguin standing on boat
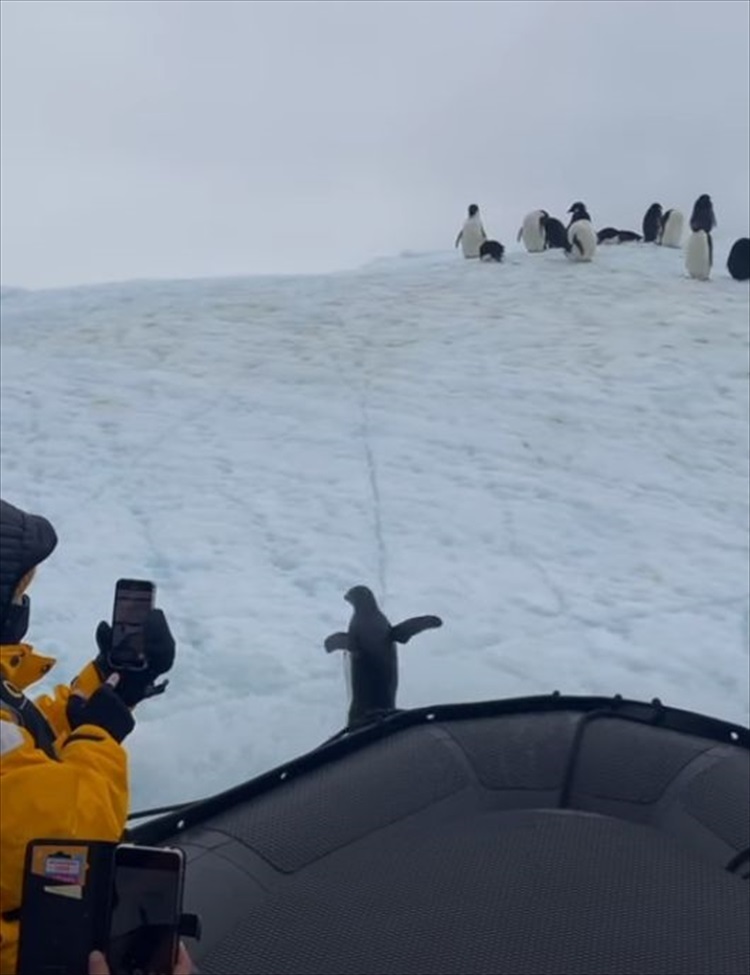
x: 371, y: 643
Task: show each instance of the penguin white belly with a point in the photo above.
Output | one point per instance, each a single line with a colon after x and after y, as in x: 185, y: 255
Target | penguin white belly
x: 672, y: 235
x: 582, y: 240
x: 472, y: 239
x: 698, y: 256
x: 532, y: 232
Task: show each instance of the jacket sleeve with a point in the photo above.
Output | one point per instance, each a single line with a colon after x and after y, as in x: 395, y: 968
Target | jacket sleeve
x: 84, y: 795
x: 53, y: 706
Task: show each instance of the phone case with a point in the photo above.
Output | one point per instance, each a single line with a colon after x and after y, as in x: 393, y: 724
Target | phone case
x: 66, y: 905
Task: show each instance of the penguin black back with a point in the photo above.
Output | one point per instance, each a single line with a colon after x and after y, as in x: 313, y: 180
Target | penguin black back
x: 702, y: 217
x: 625, y: 236
x: 555, y: 234
x: 578, y: 211
x: 738, y: 262
x: 371, y: 643
x: 607, y: 234
x: 652, y: 223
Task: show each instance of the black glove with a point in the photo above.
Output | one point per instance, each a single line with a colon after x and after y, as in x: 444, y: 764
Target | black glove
x: 157, y: 658
x: 105, y: 709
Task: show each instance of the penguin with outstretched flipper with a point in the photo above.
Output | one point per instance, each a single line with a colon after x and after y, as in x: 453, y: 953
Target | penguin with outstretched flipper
x: 371, y: 643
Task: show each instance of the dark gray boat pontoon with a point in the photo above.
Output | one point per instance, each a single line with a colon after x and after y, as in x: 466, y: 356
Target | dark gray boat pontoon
x: 541, y: 835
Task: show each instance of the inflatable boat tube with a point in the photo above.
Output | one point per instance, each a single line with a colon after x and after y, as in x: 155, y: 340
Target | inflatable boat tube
x: 578, y: 835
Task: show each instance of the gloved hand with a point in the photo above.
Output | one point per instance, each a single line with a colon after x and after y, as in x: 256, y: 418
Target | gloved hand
x: 105, y: 709
x: 159, y: 654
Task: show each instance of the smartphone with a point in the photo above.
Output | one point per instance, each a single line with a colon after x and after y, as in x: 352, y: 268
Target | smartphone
x: 65, y: 905
x: 146, y: 909
x: 134, y: 600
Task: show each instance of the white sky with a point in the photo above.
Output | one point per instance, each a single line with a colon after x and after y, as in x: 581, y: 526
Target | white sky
x: 190, y: 139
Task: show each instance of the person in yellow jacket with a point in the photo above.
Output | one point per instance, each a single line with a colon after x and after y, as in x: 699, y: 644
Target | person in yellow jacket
x: 63, y: 769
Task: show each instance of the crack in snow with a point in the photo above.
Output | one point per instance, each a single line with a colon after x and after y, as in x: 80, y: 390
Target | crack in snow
x: 372, y: 473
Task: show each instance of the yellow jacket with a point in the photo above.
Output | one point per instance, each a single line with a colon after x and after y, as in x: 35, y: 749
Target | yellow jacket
x: 77, y: 788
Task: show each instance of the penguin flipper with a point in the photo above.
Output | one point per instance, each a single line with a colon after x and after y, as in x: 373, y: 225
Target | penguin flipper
x: 337, y: 641
x: 403, y: 632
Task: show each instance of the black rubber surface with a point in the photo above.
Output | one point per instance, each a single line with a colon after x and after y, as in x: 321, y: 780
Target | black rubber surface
x: 443, y: 847
x: 504, y: 892
x: 308, y: 818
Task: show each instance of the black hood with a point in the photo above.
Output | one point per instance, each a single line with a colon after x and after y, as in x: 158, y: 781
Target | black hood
x: 25, y: 541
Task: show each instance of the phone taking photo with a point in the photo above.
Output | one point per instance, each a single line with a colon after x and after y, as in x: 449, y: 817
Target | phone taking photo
x: 134, y: 600
x: 146, y: 909
x: 80, y: 895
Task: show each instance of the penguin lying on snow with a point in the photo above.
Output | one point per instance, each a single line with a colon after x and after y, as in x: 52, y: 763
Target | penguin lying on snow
x: 371, y: 644
x: 491, y: 250
x: 609, y: 235
x: 738, y: 262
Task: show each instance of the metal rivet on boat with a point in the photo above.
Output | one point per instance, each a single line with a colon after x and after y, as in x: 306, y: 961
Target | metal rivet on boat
x: 429, y: 717
x: 283, y: 776
x: 181, y: 824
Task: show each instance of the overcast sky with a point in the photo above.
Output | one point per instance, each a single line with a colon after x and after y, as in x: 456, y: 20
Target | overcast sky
x: 187, y: 138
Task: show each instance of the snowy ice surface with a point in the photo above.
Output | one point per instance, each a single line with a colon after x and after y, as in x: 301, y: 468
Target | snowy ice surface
x: 552, y: 457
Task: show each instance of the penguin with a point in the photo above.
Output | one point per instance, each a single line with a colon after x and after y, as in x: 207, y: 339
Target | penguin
x: 699, y: 255
x: 652, y: 224
x: 471, y: 235
x: 738, y: 262
x: 702, y: 217
x: 578, y: 211
x: 371, y: 643
x: 555, y: 234
x: 608, y: 236
x: 627, y: 236
x: 491, y: 250
x: 532, y: 231
x: 581, y: 236
x: 672, y: 222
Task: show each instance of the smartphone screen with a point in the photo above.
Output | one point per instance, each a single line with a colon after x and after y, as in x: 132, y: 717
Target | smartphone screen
x: 146, y: 910
x: 134, y: 599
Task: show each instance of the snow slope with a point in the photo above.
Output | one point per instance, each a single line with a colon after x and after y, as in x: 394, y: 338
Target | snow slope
x: 552, y: 457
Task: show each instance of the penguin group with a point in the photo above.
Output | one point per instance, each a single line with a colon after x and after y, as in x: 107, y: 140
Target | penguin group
x: 579, y: 241
x: 663, y: 227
